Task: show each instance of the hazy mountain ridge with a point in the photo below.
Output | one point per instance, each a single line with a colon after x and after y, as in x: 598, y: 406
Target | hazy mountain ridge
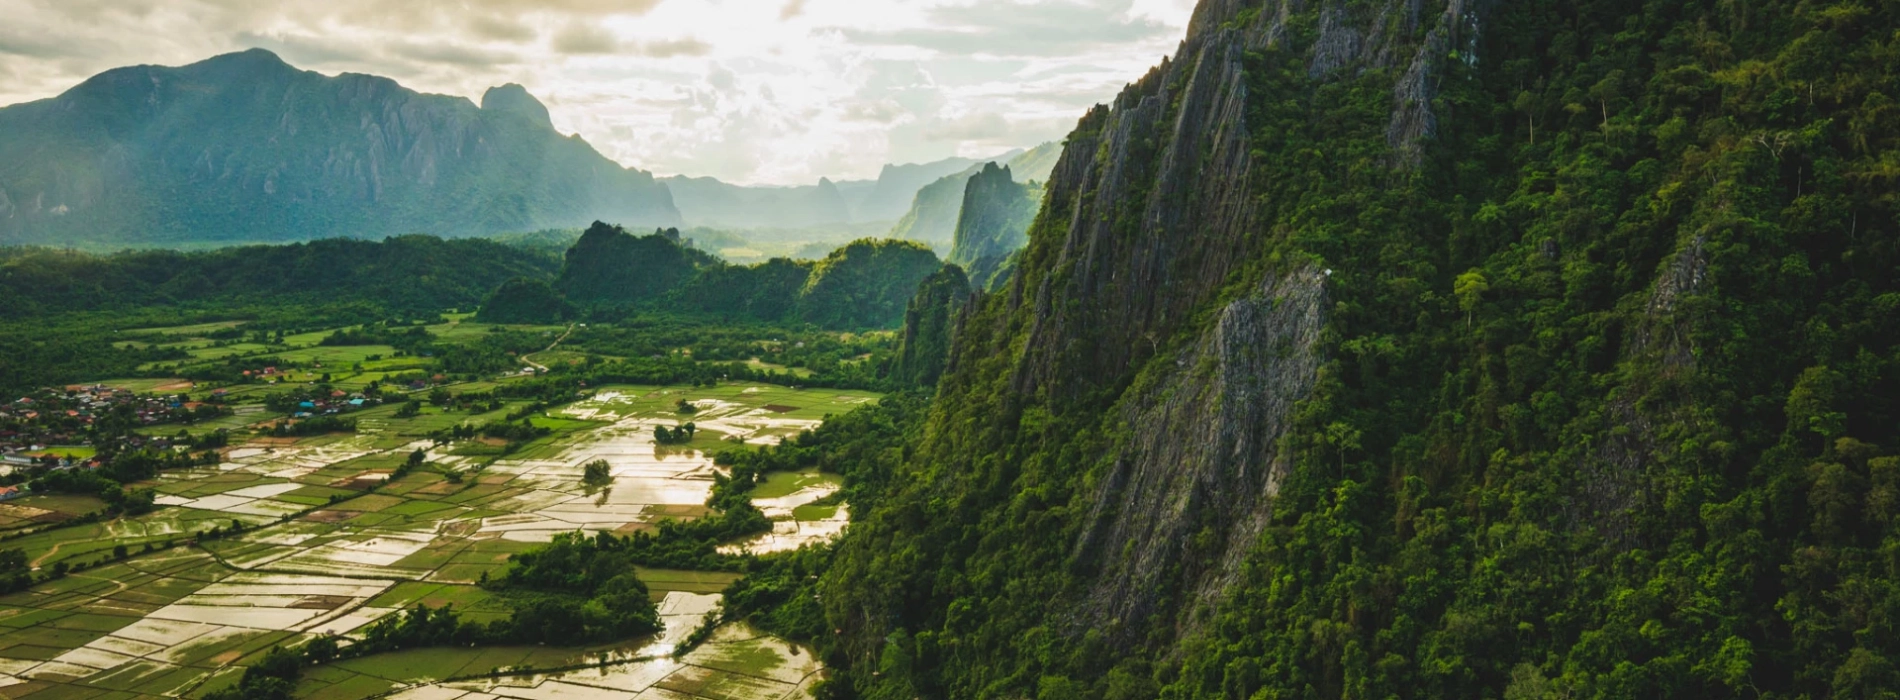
x: 705, y: 201
x: 935, y: 210
x: 245, y: 147
x: 897, y: 185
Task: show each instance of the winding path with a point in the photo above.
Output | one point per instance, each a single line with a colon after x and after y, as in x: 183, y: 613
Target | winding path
x: 551, y: 346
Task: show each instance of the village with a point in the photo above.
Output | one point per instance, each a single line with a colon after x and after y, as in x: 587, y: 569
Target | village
x: 57, y: 425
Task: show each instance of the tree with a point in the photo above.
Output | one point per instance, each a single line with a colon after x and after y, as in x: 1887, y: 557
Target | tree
x: 1344, y: 438
x: 1605, y: 91
x: 1470, y: 289
x: 415, y: 460
x: 597, y: 473
x: 321, y: 650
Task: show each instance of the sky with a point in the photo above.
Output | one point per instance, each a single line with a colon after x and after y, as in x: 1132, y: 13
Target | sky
x: 768, y: 92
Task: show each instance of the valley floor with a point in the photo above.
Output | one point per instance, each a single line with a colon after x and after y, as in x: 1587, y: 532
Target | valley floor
x: 332, y: 540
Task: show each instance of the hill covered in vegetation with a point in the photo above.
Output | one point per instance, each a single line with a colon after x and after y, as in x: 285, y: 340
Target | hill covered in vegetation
x: 245, y: 148
x: 1441, y: 349
x: 523, y: 300
x: 862, y: 285
x: 402, y: 274
x: 610, y: 266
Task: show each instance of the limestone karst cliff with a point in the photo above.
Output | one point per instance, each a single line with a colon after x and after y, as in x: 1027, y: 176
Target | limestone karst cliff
x: 993, y: 224
x: 1418, y: 348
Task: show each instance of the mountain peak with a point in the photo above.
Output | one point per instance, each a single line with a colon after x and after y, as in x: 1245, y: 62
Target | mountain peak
x: 248, y: 59
x: 514, y: 99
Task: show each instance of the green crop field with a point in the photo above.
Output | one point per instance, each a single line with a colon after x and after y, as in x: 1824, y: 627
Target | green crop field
x: 324, y: 513
x: 189, y: 330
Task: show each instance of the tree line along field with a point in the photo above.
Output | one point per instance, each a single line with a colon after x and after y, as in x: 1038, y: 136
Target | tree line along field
x: 288, y: 538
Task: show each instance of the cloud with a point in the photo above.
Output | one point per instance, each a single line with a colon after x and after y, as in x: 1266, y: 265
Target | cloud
x: 501, y: 29
x: 883, y: 111
x: 592, y: 7
x: 1005, y: 28
x: 985, y: 126
x: 673, y: 47
x: 585, y: 39
x: 454, y: 54
x: 302, y: 50
x: 782, y: 91
x: 21, y: 44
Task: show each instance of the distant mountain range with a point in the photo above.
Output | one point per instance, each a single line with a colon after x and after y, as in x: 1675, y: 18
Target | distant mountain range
x: 705, y: 201
x: 244, y: 147
x: 938, y: 206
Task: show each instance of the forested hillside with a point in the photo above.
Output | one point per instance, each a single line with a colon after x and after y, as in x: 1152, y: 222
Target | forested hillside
x: 1425, y: 349
x: 608, y: 272
x: 608, y: 265
x: 407, y: 273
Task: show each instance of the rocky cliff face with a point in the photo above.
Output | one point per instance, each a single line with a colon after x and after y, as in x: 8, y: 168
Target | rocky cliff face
x: 1424, y: 349
x: 992, y: 224
x: 1205, y: 457
x: 245, y: 147
x: 929, y: 326
x: 1151, y: 217
x: 1142, y: 301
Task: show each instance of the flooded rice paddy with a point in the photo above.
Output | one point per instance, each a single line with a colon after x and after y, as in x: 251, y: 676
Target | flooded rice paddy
x: 321, y: 552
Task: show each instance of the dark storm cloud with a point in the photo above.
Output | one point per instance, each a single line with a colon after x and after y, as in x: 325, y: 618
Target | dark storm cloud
x: 1000, y: 27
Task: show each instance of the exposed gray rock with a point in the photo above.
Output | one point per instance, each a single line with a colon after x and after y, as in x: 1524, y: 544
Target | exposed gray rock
x: 1204, y: 457
x: 1131, y: 205
x: 514, y: 99
x: 1339, y: 43
x: 1413, y: 118
x: 993, y: 224
x: 1612, y: 480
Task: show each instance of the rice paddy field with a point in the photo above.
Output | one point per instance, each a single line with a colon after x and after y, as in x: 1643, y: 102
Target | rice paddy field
x: 332, y: 541
x: 350, y: 366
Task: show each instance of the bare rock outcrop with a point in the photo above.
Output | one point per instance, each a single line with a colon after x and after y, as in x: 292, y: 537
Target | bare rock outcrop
x: 1192, y: 490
